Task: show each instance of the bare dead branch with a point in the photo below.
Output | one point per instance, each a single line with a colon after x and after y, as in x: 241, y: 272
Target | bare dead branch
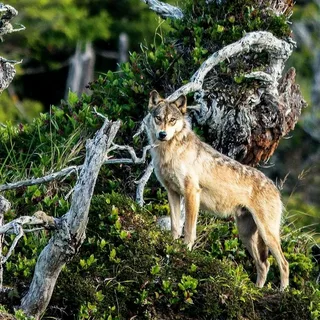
x: 5, y: 206
x: 16, y: 227
x: 19, y: 235
x: 134, y: 158
x: 75, y: 169
x: 45, y: 179
x: 253, y: 41
x: 7, y: 70
x: 7, y: 13
x: 72, y: 227
x: 141, y: 183
x: 164, y: 10
x: 39, y: 218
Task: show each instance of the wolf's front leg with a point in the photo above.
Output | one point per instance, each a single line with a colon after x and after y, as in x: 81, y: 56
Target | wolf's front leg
x: 174, y: 203
x: 192, y: 202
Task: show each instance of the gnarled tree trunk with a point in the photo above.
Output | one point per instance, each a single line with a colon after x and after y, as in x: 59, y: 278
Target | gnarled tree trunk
x: 246, y: 117
x: 71, y: 227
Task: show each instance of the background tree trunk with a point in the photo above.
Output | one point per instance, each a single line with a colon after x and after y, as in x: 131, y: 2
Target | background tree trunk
x: 81, y: 69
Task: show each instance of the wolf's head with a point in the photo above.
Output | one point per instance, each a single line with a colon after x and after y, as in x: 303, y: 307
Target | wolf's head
x: 167, y: 116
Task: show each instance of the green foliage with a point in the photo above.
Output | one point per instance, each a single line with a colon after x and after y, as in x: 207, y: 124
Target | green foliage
x: 10, y: 111
x: 53, y: 29
x: 222, y: 23
x: 128, y: 267
x: 166, y: 64
x: 52, y: 141
x: 134, y: 269
x: 18, y: 315
x: 304, y: 215
x: 53, y: 26
x: 205, y: 29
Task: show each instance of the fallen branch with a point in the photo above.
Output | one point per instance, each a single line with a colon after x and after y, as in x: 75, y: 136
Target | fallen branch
x: 141, y: 183
x: 45, y: 179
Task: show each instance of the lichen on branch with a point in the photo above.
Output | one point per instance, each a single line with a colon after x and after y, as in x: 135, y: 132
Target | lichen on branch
x: 7, y: 70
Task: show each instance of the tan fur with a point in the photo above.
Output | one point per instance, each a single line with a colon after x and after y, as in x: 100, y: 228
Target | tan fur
x: 207, y: 179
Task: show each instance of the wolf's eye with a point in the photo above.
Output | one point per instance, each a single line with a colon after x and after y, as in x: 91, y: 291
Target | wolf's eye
x: 158, y: 118
x: 173, y: 120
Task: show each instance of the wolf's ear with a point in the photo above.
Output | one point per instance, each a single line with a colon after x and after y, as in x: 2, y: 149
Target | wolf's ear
x: 181, y: 103
x: 154, y: 99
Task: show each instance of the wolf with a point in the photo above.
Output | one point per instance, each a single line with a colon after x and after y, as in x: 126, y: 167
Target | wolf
x: 187, y: 167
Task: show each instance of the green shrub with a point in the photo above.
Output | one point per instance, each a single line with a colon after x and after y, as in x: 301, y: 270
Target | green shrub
x: 128, y: 267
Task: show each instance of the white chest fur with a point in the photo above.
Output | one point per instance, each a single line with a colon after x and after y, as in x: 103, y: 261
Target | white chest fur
x: 170, y: 172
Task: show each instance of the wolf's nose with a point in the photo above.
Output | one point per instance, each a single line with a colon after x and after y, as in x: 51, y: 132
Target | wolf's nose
x: 162, y: 135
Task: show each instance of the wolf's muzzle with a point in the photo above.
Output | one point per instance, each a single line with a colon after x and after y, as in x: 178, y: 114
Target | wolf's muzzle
x: 162, y: 135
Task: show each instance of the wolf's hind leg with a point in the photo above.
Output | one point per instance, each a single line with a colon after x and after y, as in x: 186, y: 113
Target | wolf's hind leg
x: 174, y: 203
x: 250, y: 237
x: 269, y: 229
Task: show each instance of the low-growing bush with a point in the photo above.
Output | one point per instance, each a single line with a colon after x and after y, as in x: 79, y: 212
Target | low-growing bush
x: 128, y: 267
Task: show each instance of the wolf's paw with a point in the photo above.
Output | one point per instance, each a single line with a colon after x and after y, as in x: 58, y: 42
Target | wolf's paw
x: 189, y: 244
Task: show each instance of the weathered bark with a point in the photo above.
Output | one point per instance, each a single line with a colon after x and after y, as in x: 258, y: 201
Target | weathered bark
x: 164, y: 10
x: 141, y: 183
x: 5, y: 205
x: 72, y: 226
x: 7, y: 70
x: 274, y: 117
